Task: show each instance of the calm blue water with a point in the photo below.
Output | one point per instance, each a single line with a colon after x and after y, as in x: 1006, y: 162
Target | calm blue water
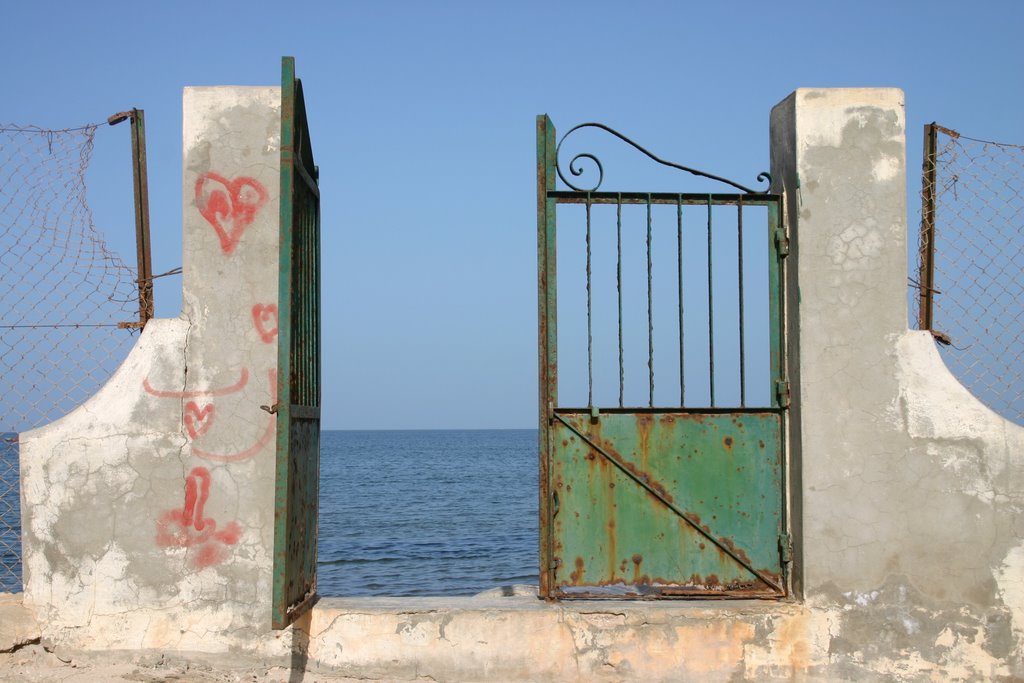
x: 10, y: 515
x: 441, y: 512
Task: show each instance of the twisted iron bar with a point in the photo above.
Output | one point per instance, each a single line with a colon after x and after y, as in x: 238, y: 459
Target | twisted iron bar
x: 575, y: 169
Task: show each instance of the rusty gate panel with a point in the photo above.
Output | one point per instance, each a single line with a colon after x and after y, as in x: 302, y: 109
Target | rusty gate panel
x: 654, y: 501
x: 666, y: 503
x: 298, y: 379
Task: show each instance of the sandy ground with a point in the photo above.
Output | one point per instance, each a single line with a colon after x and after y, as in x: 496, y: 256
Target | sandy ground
x: 35, y: 664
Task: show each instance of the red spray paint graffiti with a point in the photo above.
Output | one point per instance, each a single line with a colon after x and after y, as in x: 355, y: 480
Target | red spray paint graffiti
x: 197, y: 420
x: 243, y: 379
x: 264, y: 317
x: 229, y: 205
x: 188, y: 528
x: 268, y: 433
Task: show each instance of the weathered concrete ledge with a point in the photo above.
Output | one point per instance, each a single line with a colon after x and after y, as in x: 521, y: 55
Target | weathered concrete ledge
x: 521, y: 638
x: 18, y: 624
x: 853, y: 637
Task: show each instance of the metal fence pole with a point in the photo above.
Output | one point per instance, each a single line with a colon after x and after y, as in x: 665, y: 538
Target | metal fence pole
x: 140, y: 182
x: 926, y: 274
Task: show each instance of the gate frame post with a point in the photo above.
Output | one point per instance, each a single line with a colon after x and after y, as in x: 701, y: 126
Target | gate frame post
x: 547, y: 336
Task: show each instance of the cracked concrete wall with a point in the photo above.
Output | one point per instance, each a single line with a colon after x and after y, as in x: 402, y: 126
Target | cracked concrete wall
x: 911, y: 490
x: 148, y: 511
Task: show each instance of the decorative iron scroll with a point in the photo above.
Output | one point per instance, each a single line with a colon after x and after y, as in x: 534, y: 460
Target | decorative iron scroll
x: 575, y: 169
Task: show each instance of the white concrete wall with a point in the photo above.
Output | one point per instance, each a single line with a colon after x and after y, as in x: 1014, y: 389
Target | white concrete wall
x: 148, y: 511
x: 910, y: 493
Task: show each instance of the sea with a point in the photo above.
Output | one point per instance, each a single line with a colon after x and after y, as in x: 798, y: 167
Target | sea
x: 402, y: 513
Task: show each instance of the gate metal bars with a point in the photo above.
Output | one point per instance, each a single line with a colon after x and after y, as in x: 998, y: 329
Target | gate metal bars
x: 659, y: 502
x: 298, y: 374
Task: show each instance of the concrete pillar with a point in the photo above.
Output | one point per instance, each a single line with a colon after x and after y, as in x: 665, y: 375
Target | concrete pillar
x: 149, y: 510
x: 839, y: 156
x: 908, y: 489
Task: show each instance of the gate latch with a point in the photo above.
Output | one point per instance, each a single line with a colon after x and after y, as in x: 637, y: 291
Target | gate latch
x: 786, y: 547
x: 781, y: 242
x: 782, y: 391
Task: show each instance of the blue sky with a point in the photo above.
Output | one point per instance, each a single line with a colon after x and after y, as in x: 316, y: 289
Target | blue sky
x: 422, y: 118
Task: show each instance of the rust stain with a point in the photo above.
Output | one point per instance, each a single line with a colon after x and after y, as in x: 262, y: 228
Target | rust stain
x: 640, y: 474
x: 727, y: 442
x: 612, y: 541
x: 576, y: 575
x: 793, y: 639
x: 728, y: 543
x: 713, y: 650
x: 711, y: 586
x: 644, y: 423
x: 608, y: 446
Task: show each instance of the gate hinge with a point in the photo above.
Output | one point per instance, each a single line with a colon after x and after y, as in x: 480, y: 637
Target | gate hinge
x: 782, y: 391
x: 551, y: 412
x: 786, y: 547
x: 781, y: 242
x: 555, y: 563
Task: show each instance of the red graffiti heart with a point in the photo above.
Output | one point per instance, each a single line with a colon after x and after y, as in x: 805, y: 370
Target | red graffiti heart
x: 229, y: 205
x: 197, y: 420
x: 264, y: 316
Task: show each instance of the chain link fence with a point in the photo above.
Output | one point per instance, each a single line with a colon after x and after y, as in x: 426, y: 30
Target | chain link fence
x: 971, y: 256
x: 63, y: 294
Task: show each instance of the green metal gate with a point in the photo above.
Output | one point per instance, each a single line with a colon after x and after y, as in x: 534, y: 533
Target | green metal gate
x: 298, y: 374
x: 658, y: 501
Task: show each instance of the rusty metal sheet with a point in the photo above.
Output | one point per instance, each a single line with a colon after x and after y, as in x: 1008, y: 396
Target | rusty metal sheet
x: 667, y: 504
x: 662, y: 501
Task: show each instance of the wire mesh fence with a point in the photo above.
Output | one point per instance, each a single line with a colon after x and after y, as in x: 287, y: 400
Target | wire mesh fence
x: 62, y: 295
x: 971, y: 256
